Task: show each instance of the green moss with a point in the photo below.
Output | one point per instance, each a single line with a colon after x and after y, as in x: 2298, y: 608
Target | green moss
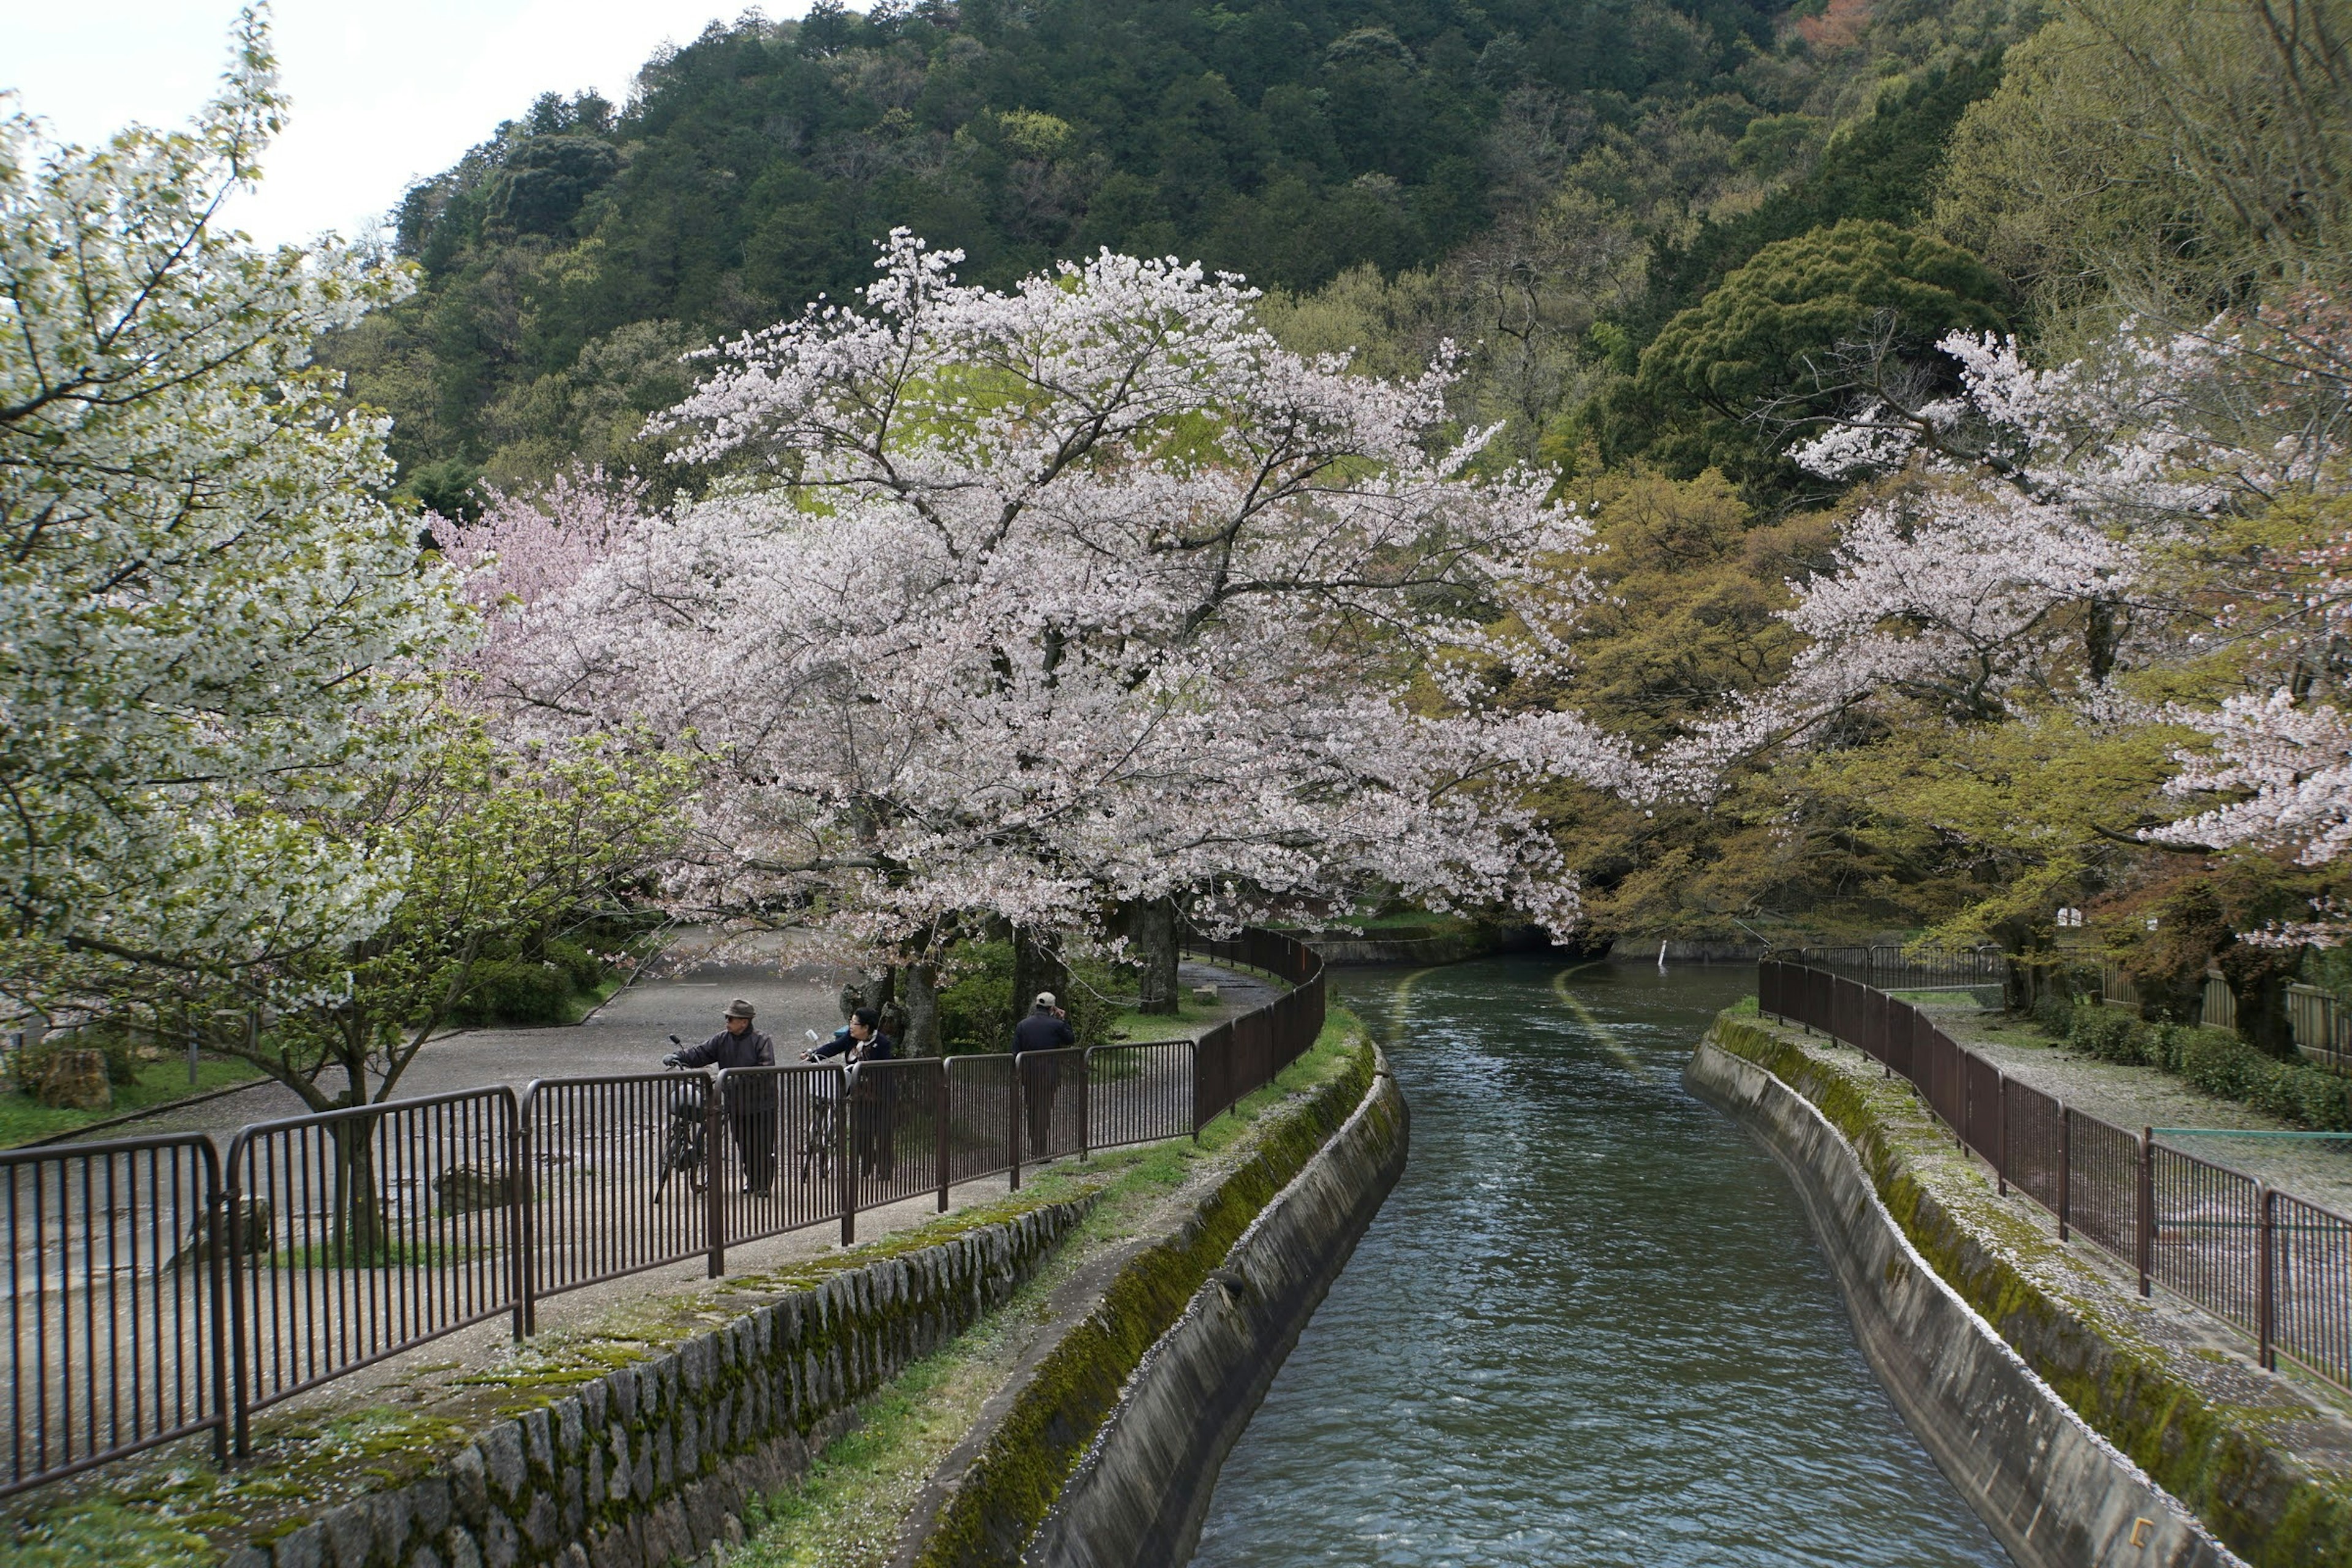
x: 1029, y: 1457
x: 2208, y: 1454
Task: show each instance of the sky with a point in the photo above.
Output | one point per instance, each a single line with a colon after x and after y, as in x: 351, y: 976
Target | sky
x: 383, y: 90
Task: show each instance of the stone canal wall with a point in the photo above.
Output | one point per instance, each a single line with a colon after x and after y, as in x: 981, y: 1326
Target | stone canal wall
x: 653, y: 1462
x: 1105, y: 1450
x: 2055, y: 1491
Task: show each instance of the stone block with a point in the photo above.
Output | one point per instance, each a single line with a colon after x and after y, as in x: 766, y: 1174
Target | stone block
x: 502, y: 1455
x: 689, y: 1444
x: 592, y: 1470
x: 460, y: 1548
x: 469, y: 1485
x: 424, y: 1557
x: 570, y: 1430
x: 435, y: 1508
x: 303, y: 1548
x: 572, y: 1492
x: 595, y: 1400
x: 624, y: 1385
x: 501, y: 1542
x: 694, y: 1367
x: 350, y: 1541
x: 539, y: 1442
x: 665, y: 1458
x: 573, y: 1556
x: 393, y: 1513
x: 246, y: 1557
x: 540, y: 1525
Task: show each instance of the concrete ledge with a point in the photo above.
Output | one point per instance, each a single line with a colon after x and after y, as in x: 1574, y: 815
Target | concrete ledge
x: 2056, y: 1493
x: 1051, y: 1466
x: 1142, y: 1490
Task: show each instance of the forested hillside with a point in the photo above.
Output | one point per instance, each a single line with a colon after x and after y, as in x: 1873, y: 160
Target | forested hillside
x: 1512, y: 177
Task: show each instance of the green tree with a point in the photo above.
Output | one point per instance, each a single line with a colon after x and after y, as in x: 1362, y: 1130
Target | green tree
x: 2176, y: 152
x: 1773, y: 347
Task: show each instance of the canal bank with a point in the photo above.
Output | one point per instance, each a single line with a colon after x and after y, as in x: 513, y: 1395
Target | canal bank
x: 1591, y: 1324
x: 2062, y: 1397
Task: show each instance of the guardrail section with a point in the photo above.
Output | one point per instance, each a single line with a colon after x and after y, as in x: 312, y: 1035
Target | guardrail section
x: 2275, y: 1266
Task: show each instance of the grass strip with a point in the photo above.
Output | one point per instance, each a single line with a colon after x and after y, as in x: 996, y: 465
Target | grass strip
x: 851, y: 1510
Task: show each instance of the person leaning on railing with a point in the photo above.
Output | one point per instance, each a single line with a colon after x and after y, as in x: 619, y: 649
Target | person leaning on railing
x: 751, y: 1107
x: 863, y: 1041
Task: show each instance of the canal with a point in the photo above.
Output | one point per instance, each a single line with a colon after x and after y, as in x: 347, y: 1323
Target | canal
x: 1590, y: 1325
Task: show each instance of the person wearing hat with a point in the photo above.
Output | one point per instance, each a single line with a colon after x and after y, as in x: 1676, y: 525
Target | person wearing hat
x: 1046, y: 1028
x: 751, y: 1106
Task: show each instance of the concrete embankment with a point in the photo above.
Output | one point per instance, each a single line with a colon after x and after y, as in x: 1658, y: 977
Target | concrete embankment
x: 2053, y: 1401
x: 1104, y: 1452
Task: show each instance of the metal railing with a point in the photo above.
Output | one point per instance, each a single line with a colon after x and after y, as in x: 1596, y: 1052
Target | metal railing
x: 1890, y: 968
x: 158, y: 1290
x: 2271, y: 1265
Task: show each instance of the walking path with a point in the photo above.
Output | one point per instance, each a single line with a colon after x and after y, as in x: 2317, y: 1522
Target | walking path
x: 683, y: 993
x: 2132, y: 1098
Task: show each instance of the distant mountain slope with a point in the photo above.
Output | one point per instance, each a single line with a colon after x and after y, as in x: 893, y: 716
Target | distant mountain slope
x: 571, y: 259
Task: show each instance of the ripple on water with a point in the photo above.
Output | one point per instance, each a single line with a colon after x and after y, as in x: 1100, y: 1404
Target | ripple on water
x: 1589, y: 1326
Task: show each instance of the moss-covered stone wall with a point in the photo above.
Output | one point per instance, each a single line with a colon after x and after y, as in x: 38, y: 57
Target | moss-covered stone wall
x: 652, y: 1462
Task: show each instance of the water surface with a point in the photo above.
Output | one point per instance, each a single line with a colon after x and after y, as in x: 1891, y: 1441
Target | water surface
x: 1589, y: 1326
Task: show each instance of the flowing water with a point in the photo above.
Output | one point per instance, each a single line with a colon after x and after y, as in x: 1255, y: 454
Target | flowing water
x: 1590, y: 1325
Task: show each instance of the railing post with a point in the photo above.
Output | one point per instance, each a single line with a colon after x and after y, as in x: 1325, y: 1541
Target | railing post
x: 216, y: 1298
x: 2147, y: 1206
x: 942, y: 1109
x: 2001, y: 1133
x: 714, y: 1171
x: 1015, y: 1100
x: 849, y: 1141
x: 2266, y: 1294
x: 233, y: 1249
x: 2065, y: 1169
x: 1196, y: 1090
x: 518, y: 1216
x: 1085, y: 1104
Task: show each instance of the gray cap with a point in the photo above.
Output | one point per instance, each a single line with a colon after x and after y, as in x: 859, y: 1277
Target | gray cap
x: 1045, y: 1003
x: 739, y: 1008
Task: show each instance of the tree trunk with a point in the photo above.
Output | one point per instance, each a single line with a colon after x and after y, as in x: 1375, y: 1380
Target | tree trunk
x: 1152, y: 927
x: 1035, y: 967
x: 919, y: 991
x: 357, y: 1238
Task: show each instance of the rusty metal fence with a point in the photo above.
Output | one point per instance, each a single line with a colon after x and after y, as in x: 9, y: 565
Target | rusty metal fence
x: 2275, y: 1266
x: 159, y: 1289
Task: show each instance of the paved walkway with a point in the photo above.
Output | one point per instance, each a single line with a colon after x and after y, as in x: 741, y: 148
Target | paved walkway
x: 683, y: 993
x: 2132, y: 1098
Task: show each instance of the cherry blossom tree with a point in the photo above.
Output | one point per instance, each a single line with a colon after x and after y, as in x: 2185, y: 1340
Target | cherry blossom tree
x: 2152, y: 535
x: 212, y: 625
x: 1037, y: 604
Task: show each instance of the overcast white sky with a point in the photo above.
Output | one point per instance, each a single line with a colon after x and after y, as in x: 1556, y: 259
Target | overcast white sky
x: 383, y: 90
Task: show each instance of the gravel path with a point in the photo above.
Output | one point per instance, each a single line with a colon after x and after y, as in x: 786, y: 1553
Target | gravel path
x: 2319, y: 1169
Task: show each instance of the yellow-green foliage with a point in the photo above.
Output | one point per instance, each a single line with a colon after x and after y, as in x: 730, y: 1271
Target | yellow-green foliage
x: 1022, y: 1469
x: 2222, y: 1460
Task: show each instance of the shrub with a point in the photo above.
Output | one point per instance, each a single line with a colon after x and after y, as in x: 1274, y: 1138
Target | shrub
x: 582, y: 968
x: 516, y: 991
x: 974, y: 1009
x: 2110, y: 1034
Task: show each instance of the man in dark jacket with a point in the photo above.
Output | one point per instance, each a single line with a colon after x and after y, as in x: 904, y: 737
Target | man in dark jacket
x: 752, y: 1105
x: 1045, y: 1029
